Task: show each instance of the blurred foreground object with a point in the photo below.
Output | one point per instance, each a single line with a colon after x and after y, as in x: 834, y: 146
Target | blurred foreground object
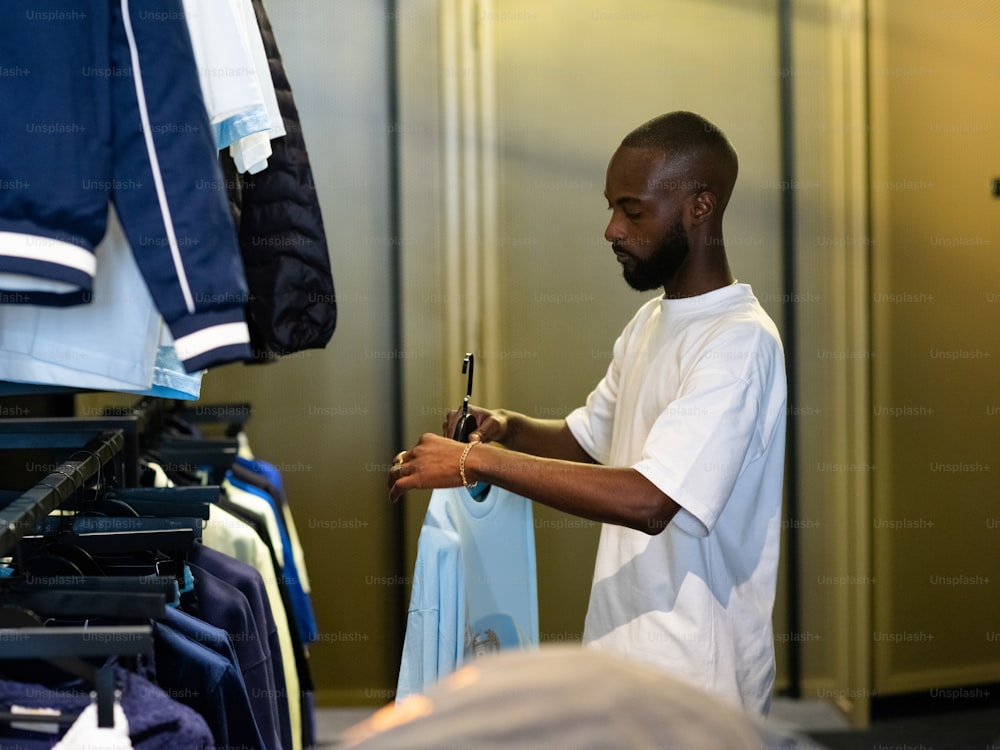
x: 565, y: 697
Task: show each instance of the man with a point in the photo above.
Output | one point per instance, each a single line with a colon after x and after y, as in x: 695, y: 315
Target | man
x: 679, y: 450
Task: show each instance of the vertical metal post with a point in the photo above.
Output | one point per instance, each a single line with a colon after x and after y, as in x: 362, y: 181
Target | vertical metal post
x: 789, y: 283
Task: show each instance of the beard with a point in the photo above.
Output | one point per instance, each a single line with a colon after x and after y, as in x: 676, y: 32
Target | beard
x: 670, y: 252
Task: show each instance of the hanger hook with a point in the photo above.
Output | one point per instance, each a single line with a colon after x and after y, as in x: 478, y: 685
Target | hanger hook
x: 467, y: 367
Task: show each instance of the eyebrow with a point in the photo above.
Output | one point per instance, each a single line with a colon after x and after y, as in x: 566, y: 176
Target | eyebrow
x: 624, y: 199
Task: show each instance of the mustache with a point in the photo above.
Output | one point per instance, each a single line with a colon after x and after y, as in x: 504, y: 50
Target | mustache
x: 629, y: 245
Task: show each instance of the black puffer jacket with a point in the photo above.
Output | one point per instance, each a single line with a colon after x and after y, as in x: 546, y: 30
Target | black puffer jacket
x: 285, y: 255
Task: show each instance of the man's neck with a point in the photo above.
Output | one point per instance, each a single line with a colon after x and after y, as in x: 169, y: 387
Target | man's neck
x: 705, y: 270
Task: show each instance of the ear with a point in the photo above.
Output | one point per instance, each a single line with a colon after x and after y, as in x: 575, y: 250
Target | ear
x: 702, y: 207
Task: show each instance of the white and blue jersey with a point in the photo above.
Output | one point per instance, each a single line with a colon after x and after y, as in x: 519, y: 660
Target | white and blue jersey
x: 102, y: 104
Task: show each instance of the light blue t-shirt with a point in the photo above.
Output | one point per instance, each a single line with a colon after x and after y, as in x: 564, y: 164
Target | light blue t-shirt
x: 474, y: 584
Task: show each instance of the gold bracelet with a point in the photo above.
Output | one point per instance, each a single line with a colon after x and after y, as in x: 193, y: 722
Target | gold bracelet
x: 461, y: 465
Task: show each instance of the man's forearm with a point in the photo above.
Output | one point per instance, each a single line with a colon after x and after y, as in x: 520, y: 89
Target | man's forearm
x: 548, y: 438
x: 620, y: 496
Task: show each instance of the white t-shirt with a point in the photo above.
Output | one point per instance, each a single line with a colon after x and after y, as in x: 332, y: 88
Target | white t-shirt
x: 695, y: 400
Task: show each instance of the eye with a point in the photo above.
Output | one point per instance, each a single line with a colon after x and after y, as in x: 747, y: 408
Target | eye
x: 632, y: 214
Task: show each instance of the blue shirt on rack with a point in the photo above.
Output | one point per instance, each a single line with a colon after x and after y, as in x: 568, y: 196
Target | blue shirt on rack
x: 305, y: 621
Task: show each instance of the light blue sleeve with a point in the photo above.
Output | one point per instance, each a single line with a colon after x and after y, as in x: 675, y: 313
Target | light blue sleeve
x: 230, y: 130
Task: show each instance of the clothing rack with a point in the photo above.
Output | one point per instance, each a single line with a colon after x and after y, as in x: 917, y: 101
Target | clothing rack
x: 25, y: 512
x: 67, y: 567
x: 95, y: 443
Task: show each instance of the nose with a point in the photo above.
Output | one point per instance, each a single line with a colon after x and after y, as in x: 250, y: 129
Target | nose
x: 613, y: 232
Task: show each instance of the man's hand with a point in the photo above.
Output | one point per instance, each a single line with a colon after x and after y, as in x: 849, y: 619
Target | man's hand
x: 492, y: 425
x: 431, y: 464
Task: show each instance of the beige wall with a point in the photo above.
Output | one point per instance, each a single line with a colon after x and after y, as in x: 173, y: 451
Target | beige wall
x: 936, y: 284
x: 894, y: 129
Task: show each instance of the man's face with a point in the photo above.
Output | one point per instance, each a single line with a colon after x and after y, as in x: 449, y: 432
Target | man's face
x: 646, y: 232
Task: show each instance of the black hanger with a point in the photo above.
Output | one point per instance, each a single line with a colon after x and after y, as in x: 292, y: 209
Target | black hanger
x: 58, y: 559
x: 84, y: 604
x: 67, y: 648
x: 119, y: 542
x: 168, y: 502
x: 232, y: 416
x: 208, y: 458
x: 160, y: 552
x: 96, y: 501
x: 60, y: 485
x: 466, y: 422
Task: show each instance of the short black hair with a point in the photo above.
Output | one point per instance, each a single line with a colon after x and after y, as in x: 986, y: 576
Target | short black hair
x: 683, y: 133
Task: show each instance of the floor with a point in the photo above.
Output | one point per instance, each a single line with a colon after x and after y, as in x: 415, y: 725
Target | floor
x: 330, y: 722
x: 915, y: 729
x: 926, y: 722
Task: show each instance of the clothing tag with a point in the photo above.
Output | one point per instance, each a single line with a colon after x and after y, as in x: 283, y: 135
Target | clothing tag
x: 36, y: 726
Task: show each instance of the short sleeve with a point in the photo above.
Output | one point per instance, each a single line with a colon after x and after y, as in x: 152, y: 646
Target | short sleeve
x: 592, y: 425
x: 699, y: 445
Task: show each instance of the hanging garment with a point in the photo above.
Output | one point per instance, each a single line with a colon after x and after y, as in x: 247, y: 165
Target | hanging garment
x: 251, y: 153
x: 292, y: 304
x: 110, y: 111
x: 118, y: 342
x: 299, y: 655
x: 267, y: 477
x: 262, y: 510
x: 224, y: 606
x: 198, y: 676
x: 85, y: 734
x: 230, y: 535
x: 266, y: 685
x: 229, y: 80
x: 156, y: 721
x: 108, y: 344
x: 262, y: 503
x: 474, y: 584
